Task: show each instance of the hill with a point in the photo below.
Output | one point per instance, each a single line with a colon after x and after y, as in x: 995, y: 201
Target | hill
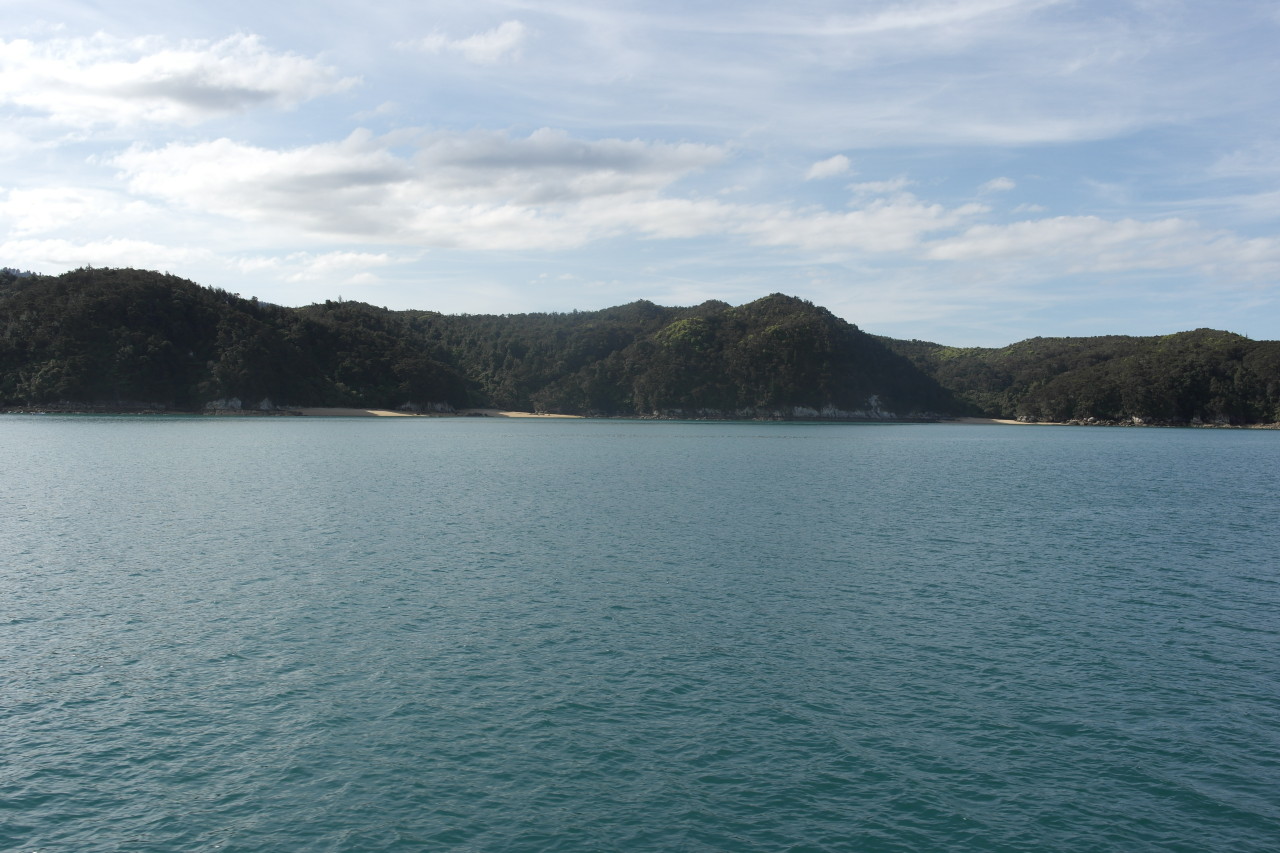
x: 124, y: 338
x: 130, y: 338
x: 1202, y: 376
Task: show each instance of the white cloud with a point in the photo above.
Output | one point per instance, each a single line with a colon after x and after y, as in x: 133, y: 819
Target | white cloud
x: 477, y: 189
x: 884, y: 225
x: 829, y: 168
x: 382, y: 110
x: 333, y: 187
x: 1259, y: 160
x: 43, y: 210
x: 14, y: 145
x: 56, y: 256
x: 659, y: 218
x: 1092, y: 244
x: 484, y: 48
x: 914, y: 17
x: 89, y: 82
x: 486, y: 190
x: 1080, y: 236
x: 549, y: 191
x: 997, y: 185
x: 342, y: 266
x: 889, y: 187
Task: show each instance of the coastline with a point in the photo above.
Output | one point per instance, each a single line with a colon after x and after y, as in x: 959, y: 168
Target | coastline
x: 1099, y: 423
x: 327, y: 412
x: 333, y: 412
x: 988, y: 421
x: 354, y: 412
x: 501, y: 413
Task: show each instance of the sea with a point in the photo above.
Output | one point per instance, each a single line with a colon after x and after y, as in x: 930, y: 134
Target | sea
x: 484, y: 634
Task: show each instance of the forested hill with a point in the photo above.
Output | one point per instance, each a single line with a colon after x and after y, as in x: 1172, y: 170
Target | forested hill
x: 127, y: 339
x: 132, y: 338
x: 1203, y: 376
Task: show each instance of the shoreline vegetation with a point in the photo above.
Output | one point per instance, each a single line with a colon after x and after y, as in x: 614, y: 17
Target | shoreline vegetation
x: 127, y: 340
x: 356, y: 412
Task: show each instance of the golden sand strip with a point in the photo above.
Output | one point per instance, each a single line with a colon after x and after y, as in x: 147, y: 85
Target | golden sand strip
x: 387, y: 413
x: 354, y: 413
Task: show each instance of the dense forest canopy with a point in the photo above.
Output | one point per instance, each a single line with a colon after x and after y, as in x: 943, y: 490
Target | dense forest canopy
x: 1202, y: 376
x: 123, y: 337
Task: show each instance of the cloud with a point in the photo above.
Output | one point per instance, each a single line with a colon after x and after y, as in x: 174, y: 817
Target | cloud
x: 43, y: 210
x: 997, y: 185
x: 829, y: 168
x: 915, y: 17
x: 485, y: 190
x: 889, y: 187
x: 486, y: 48
x: 884, y: 225
x: 57, y: 256
x: 341, y: 266
x: 90, y: 82
x: 881, y: 73
x: 14, y: 145
x: 1259, y: 160
x: 329, y: 187
x: 1082, y: 236
x: 549, y: 165
x: 549, y: 191
x: 471, y: 189
x: 1092, y: 244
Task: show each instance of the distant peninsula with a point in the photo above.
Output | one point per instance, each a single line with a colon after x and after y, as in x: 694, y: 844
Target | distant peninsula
x: 132, y: 340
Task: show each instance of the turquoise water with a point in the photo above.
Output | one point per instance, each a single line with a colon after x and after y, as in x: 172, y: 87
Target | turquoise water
x: 421, y: 634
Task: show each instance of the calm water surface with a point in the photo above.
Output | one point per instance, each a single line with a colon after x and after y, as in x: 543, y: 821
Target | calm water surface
x: 420, y: 634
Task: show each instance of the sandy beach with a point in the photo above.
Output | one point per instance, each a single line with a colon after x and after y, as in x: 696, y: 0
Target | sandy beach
x: 354, y: 413
x: 502, y: 413
x: 388, y: 413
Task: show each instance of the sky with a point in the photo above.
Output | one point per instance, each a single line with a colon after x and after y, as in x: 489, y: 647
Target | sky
x: 971, y: 172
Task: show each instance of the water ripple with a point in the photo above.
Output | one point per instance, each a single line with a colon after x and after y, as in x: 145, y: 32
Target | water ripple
x: 265, y: 635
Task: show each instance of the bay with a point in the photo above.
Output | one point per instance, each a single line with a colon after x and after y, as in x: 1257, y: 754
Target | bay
x: 483, y: 634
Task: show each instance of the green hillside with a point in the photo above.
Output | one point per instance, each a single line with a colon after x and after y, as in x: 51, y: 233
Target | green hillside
x: 1202, y: 376
x: 128, y: 337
